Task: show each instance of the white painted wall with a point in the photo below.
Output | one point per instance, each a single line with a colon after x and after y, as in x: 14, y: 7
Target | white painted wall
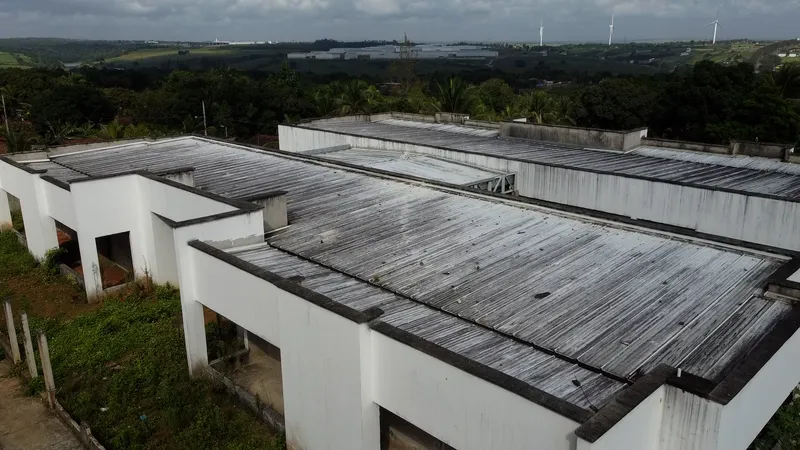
x: 729, y: 215
x: 460, y: 409
x: 640, y: 429
x: 689, y: 422
x: 236, y: 230
x: 326, y: 362
x: 325, y: 359
x: 58, y: 204
x: 104, y: 207
x: 40, y: 229
x: 748, y: 412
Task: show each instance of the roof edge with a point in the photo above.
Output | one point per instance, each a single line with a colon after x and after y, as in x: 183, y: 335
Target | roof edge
x: 486, y: 373
x: 359, y: 317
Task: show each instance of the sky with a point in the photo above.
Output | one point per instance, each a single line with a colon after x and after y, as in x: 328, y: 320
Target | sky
x: 424, y: 21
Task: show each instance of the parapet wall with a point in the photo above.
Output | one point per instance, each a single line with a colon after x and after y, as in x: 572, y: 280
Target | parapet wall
x: 688, y: 146
x: 585, y: 137
x: 741, y: 148
x: 763, y: 150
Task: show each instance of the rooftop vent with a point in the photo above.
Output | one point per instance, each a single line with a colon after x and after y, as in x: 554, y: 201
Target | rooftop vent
x: 274, y: 204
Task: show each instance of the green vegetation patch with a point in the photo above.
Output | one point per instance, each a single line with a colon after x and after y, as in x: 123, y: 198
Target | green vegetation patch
x: 122, y: 369
x: 11, y: 60
x: 147, y: 53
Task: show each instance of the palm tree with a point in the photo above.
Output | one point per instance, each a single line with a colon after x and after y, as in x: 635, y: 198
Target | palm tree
x: 113, y: 131
x: 325, y: 103
x: 455, y: 96
x: 564, y: 108
x: 541, y: 107
x: 786, y: 80
x: 358, y: 98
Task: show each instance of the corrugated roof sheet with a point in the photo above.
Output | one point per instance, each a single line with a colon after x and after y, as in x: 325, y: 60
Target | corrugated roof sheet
x: 541, y: 370
x: 413, y: 164
x: 783, y: 185
x: 56, y: 171
x: 612, y: 298
x: 747, y: 162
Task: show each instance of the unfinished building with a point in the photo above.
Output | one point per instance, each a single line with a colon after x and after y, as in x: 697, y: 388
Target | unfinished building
x: 410, y: 283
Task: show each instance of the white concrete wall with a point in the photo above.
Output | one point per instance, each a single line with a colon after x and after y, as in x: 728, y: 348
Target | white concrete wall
x: 460, y: 409
x: 165, y: 263
x: 730, y: 215
x: 325, y: 358
x: 640, y: 429
x: 58, y: 204
x: 236, y: 230
x: 689, y: 422
x: 40, y: 229
x: 748, y: 412
x: 104, y: 207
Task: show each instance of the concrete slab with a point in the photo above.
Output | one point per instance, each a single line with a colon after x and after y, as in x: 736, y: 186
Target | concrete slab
x: 25, y: 422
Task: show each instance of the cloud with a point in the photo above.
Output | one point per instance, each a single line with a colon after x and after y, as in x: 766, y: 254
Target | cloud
x: 431, y: 19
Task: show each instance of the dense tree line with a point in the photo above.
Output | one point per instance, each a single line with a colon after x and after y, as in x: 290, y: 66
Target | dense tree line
x: 709, y: 103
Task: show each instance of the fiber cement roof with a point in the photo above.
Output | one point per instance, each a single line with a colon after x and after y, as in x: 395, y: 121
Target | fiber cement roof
x: 743, y: 179
x: 488, y: 276
x: 413, y: 164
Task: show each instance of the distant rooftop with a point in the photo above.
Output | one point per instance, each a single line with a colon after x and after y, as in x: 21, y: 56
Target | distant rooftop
x: 684, y: 170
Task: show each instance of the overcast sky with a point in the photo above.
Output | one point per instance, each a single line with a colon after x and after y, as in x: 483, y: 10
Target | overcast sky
x: 432, y: 20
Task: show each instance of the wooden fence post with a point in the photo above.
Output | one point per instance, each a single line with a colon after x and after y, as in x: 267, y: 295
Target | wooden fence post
x: 28, y: 343
x: 12, y: 333
x: 47, y: 369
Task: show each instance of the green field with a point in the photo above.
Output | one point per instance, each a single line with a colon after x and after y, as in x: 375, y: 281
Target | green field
x: 12, y: 60
x: 139, y: 55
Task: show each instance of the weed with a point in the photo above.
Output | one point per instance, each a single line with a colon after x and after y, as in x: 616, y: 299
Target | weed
x: 52, y: 260
x: 14, y: 258
x: 34, y: 386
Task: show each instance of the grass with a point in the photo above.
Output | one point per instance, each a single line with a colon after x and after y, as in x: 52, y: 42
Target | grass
x: 11, y: 60
x: 122, y: 368
x: 143, y: 54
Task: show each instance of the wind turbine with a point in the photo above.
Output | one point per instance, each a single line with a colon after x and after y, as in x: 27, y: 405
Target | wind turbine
x: 541, y: 32
x: 611, y: 30
x: 716, y: 25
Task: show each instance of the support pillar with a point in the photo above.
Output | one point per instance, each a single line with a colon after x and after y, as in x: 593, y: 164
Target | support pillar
x: 194, y: 332
x: 91, y: 267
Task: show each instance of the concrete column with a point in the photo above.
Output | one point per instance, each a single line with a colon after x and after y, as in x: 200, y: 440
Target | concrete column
x: 91, y: 267
x: 194, y: 325
x: 5, y: 211
x: 326, y: 368
x: 194, y: 331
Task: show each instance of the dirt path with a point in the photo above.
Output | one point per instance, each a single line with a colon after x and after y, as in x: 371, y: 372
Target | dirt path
x: 25, y: 422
